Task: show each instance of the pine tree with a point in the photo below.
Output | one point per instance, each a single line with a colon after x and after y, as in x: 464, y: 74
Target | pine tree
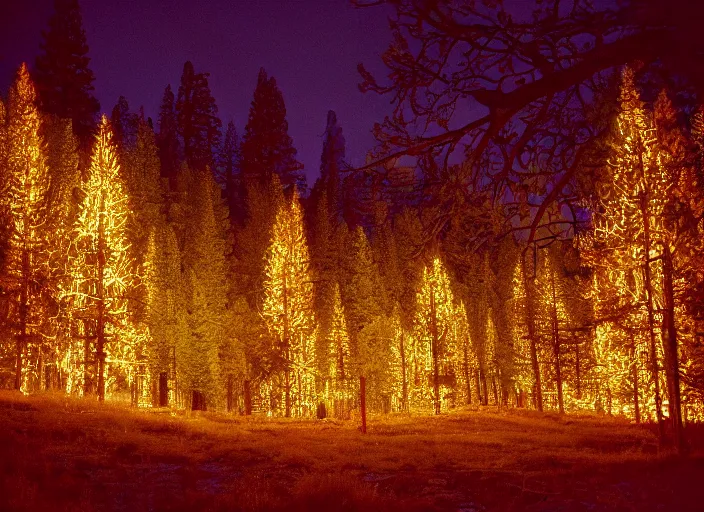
x: 288, y: 308
x: 164, y: 288
x: 64, y: 80
x: 167, y: 139
x: 331, y: 164
x: 197, y: 122
x: 140, y: 172
x: 342, y: 380
x: 125, y: 124
x: 205, y: 271
x: 101, y: 273
x: 228, y: 174
x: 434, y: 350
x: 553, y: 320
x: 5, y: 218
x: 361, y: 295
x: 627, y: 227
x: 267, y: 148
x: 27, y: 270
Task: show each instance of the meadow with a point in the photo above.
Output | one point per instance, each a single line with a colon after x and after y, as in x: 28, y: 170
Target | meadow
x: 64, y: 454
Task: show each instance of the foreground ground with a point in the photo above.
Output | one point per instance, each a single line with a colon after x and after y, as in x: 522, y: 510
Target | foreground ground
x: 62, y: 454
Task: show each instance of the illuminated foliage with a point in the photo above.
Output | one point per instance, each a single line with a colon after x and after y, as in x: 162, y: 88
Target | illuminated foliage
x: 341, y: 376
x: 205, y: 283
x: 27, y: 258
x: 100, y: 275
x: 434, y: 350
x: 627, y: 224
x: 288, y: 310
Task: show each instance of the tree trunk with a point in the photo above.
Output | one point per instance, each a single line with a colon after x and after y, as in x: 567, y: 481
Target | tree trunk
x: 651, y: 317
x: 530, y: 322
x: 478, y: 385
x: 466, y: 373
x: 247, y: 399
x: 230, y: 392
x: 577, y: 372
x: 636, y: 391
x: 556, y: 347
x: 287, y: 351
x: 404, y: 376
x: 434, y: 349
x: 363, y: 402
x: 100, y: 295
x: 672, y: 370
x: 21, y: 340
x: 485, y: 388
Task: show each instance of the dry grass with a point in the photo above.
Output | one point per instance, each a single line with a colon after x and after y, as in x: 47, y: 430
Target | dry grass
x: 65, y: 454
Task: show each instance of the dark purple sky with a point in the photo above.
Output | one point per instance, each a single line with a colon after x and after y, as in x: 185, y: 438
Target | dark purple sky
x: 312, y: 47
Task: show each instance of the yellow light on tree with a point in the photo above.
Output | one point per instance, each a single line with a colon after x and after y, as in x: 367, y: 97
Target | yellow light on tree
x: 28, y: 183
x: 101, y: 272
x: 433, y: 351
x: 288, y: 308
x: 341, y: 376
x: 627, y: 226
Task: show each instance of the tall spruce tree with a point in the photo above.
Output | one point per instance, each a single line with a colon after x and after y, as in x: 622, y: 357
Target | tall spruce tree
x: 198, y: 124
x: 205, y: 274
x: 27, y: 269
x: 331, y: 165
x: 167, y: 138
x: 101, y: 273
x: 229, y: 172
x: 288, y: 309
x: 64, y: 80
x: 125, y: 124
x: 267, y: 148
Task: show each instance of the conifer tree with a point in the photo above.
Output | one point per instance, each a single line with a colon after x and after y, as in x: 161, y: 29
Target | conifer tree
x: 5, y: 220
x: 205, y: 274
x: 64, y: 80
x: 341, y: 377
x: 267, y: 148
x: 140, y: 171
x: 229, y: 172
x: 198, y: 124
x: 627, y: 227
x: 288, y: 308
x: 101, y: 272
x: 331, y: 165
x: 553, y: 319
x: 124, y: 124
x: 167, y: 139
x: 362, y: 294
x: 27, y: 270
x: 434, y: 347
x: 164, y: 307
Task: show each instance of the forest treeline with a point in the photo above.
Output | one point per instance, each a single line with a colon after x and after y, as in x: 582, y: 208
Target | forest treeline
x: 176, y: 263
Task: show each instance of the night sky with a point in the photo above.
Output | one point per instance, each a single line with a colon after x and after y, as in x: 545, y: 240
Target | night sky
x: 311, y: 47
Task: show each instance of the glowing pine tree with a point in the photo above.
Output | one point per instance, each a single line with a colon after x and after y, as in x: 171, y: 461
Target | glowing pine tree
x: 466, y: 358
x: 288, y: 308
x: 27, y: 269
x: 552, y: 321
x: 433, y: 351
x: 341, y: 376
x: 101, y: 273
x: 628, y: 223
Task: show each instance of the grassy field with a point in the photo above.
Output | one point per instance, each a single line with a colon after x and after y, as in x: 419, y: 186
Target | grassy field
x: 61, y: 454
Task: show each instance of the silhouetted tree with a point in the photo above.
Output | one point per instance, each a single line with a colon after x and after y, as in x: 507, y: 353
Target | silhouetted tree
x: 197, y: 122
x: 167, y: 139
x: 267, y: 147
x: 64, y: 80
